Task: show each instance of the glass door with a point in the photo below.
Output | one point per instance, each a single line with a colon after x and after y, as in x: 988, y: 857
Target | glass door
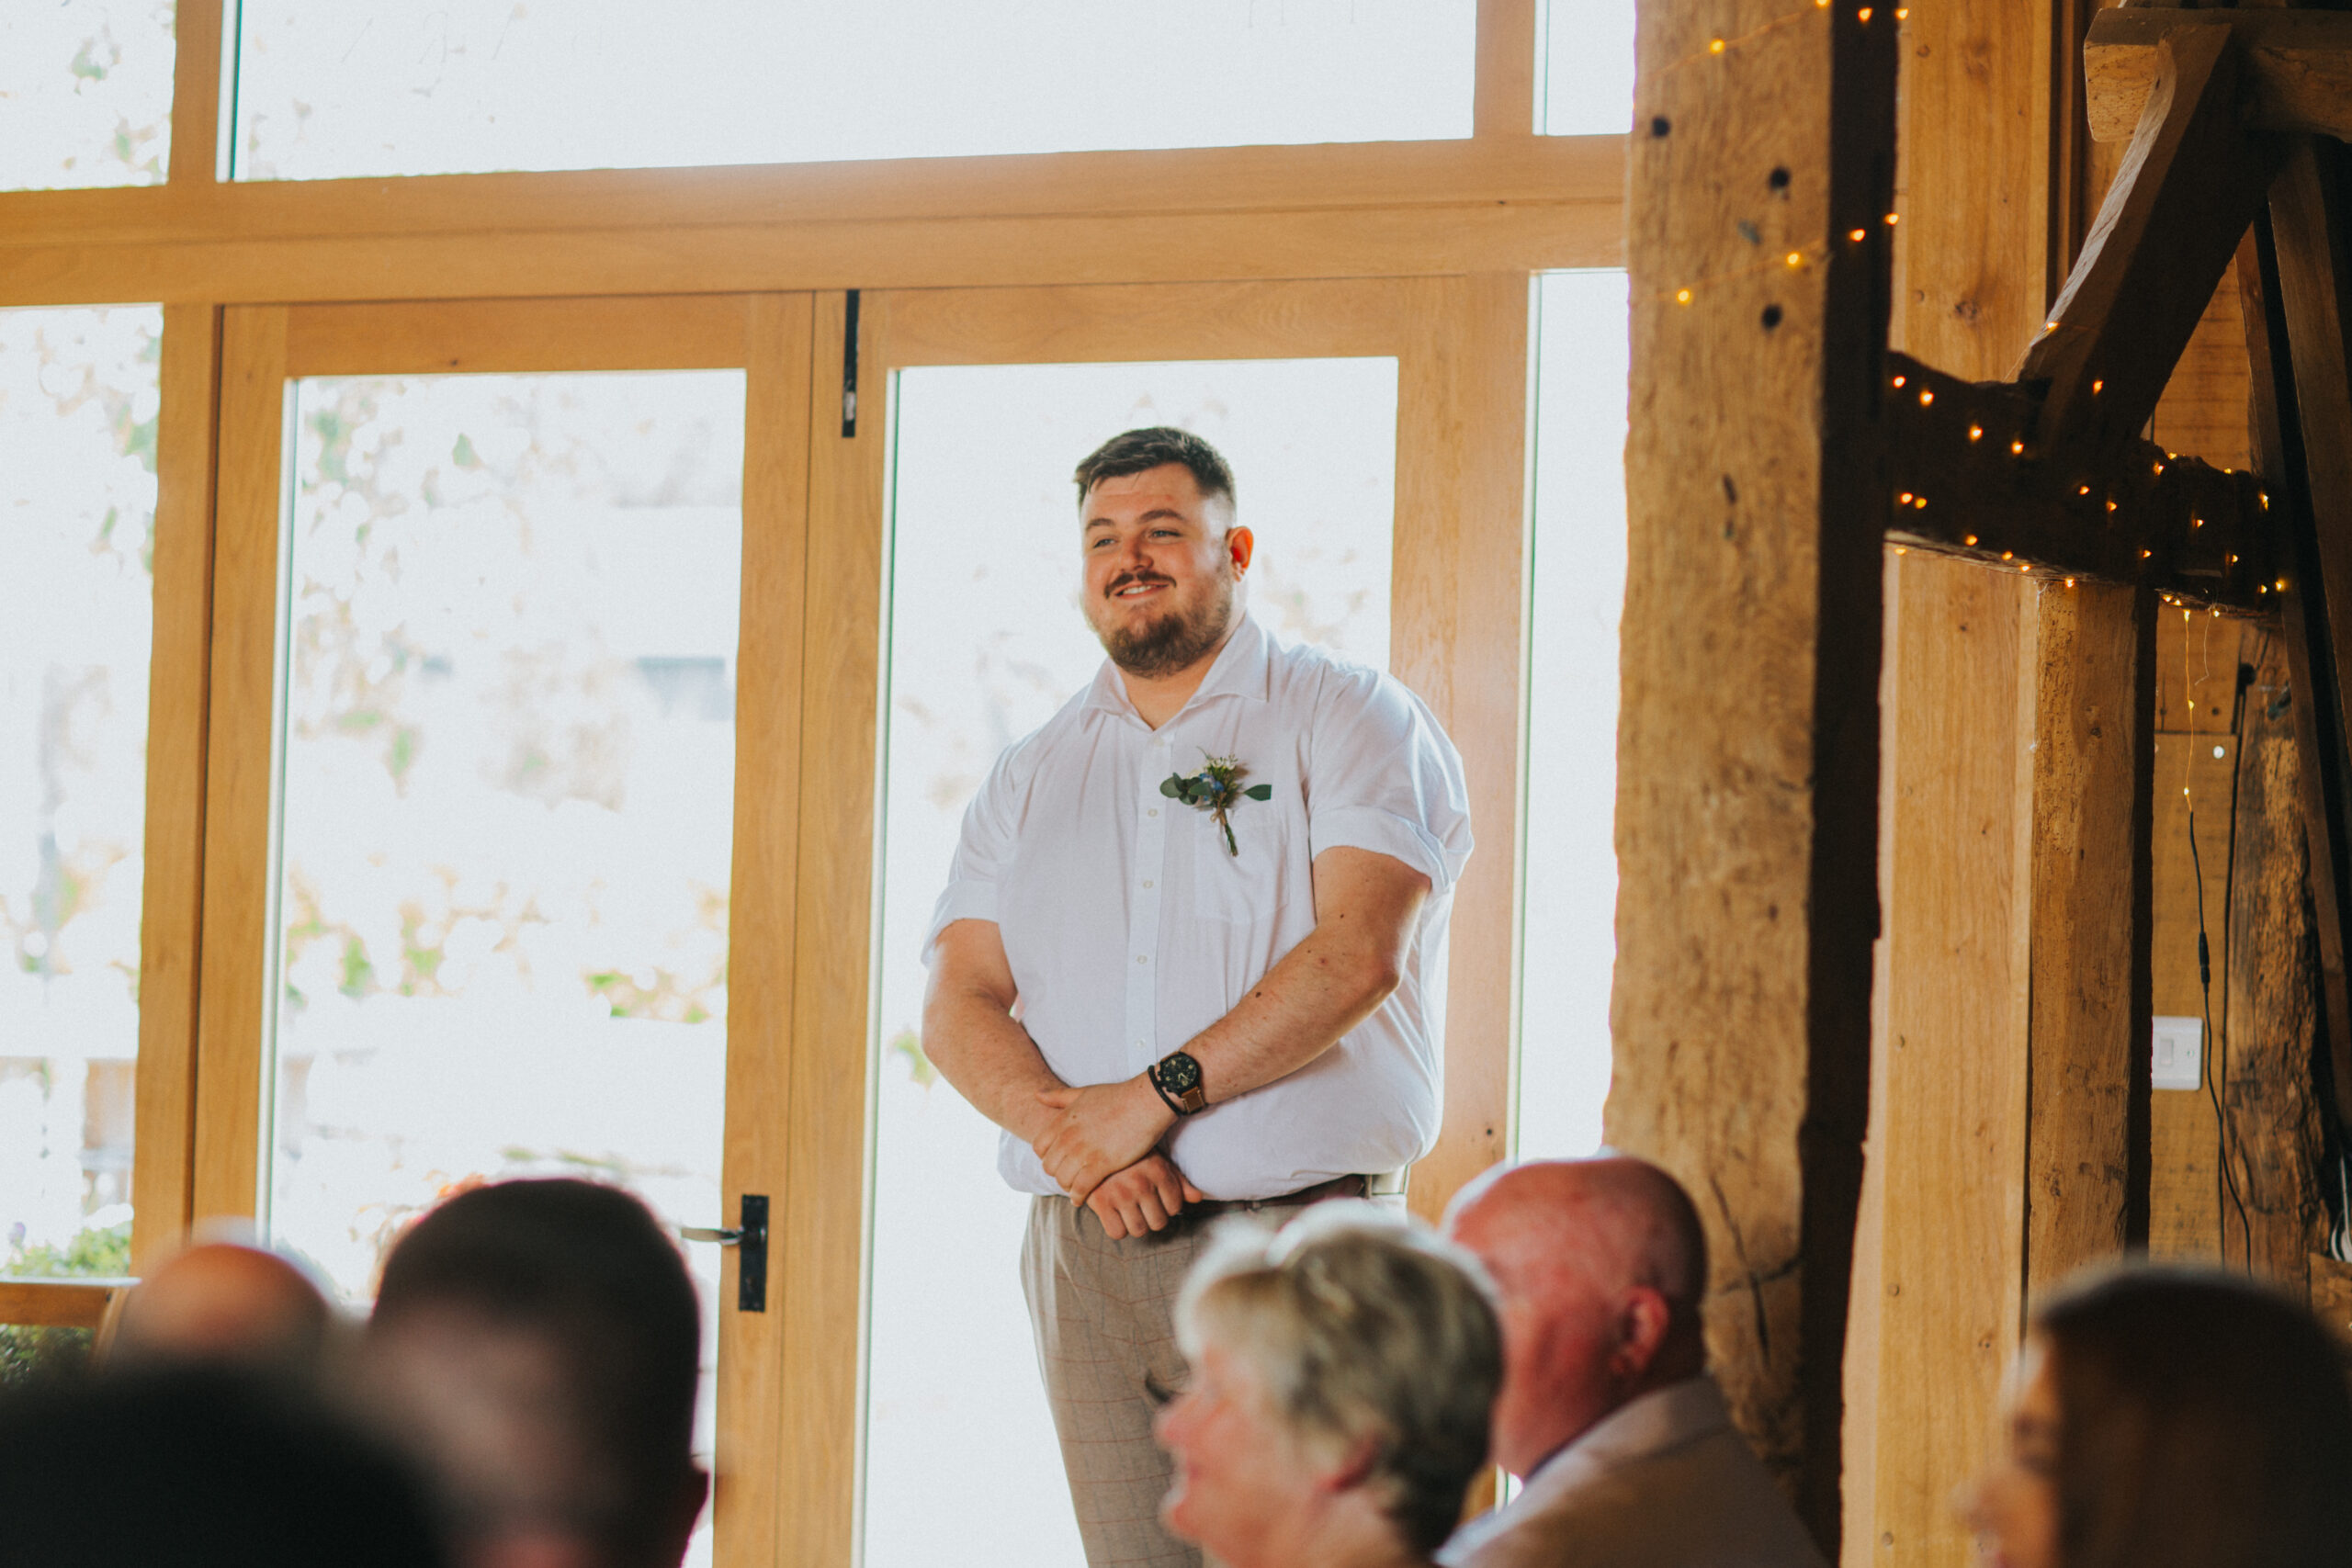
x: 1383, y: 481
x: 499, y: 607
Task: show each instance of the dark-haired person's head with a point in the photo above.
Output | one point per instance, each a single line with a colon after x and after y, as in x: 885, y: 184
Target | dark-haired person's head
x: 202, y: 1465
x: 1161, y: 557
x: 2164, y: 1418
x: 537, y: 1344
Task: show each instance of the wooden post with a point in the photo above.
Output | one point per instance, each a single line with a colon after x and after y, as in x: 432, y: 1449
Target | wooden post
x: 1748, y: 745
x: 2087, y: 1127
x: 2261, y: 1063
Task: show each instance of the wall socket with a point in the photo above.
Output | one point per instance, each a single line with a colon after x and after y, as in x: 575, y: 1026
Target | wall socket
x: 2179, y: 1044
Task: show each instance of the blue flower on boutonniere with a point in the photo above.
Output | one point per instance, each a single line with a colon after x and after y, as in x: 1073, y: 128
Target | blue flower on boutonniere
x: 1216, y: 789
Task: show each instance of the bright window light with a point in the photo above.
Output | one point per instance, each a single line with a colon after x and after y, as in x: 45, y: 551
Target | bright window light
x: 86, y: 93
x: 464, y: 85
x: 78, y: 398
x: 1569, y: 933
x: 1585, y: 68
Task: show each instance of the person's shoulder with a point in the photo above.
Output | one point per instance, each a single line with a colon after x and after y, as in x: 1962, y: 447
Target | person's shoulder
x: 1335, y: 685
x: 1708, y: 1501
x: 1018, y: 765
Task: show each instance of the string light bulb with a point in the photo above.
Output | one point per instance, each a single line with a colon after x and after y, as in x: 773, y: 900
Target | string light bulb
x: 2070, y: 582
x: 1927, y: 396
x: 1900, y: 380
x: 1858, y: 234
x: 1970, y: 540
x: 1902, y: 500
x: 1682, y: 296
x: 1892, y: 218
x: 1796, y: 258
x: 1977, y: 432
x: 1715, y: 47
x: 2098, y: 387
x: 1864, y: 13
x: 2017, y: 448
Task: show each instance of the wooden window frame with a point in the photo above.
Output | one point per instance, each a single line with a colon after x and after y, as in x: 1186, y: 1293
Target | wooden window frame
x: 1448, y: 233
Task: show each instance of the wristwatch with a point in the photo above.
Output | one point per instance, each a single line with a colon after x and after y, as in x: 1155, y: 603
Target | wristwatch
x: 1176, y: 1078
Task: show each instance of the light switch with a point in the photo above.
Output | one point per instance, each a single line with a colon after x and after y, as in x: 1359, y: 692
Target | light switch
x: 2178, y: 1044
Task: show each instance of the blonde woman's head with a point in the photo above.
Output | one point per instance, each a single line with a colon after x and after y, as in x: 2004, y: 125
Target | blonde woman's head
x: 1353, y: 1355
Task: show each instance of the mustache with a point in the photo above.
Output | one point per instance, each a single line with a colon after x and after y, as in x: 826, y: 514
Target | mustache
x: 1129, y: 579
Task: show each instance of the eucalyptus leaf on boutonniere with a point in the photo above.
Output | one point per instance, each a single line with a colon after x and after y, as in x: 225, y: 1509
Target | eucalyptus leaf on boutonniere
x: 1217, y: 789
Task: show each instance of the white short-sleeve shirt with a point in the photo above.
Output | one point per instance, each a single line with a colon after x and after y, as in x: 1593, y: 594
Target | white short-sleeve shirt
x: 1130, y: 927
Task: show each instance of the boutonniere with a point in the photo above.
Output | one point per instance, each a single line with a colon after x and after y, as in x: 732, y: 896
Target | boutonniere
x: 1216, y: 789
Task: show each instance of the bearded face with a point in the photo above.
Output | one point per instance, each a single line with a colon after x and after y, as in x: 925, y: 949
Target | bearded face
x: 1161, y: 568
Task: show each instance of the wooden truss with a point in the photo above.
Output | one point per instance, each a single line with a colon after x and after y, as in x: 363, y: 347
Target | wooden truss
x: 2236, y: 119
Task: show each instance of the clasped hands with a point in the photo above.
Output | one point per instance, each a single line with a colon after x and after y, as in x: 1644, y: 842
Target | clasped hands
x: 1103, y: 1148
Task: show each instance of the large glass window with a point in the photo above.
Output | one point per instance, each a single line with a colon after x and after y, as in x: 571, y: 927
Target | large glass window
x: 78, y: 395
x: 987, y: 640
x: 1584, y: 68
x: 1578, y: 590
x: 465, y: 85
x: 86, y: 93
x: 507, y: 799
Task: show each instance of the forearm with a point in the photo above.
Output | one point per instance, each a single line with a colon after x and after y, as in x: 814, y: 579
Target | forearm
x: 979, y: 1048
x: 1322, y: 989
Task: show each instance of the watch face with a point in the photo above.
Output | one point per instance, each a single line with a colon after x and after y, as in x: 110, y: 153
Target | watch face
x: 1179, y: 1074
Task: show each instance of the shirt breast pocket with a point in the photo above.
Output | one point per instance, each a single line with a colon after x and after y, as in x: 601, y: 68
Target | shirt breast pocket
x: 1242, y: 884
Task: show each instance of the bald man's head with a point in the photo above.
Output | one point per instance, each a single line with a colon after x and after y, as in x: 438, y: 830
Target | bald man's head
x: 223, y: 1302
x: 1601, y: 1265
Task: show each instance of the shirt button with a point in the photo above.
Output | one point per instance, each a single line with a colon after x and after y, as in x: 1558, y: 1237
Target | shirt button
x: 1153, y: 812
x: 1146, y: 882
x: 1140, y: 958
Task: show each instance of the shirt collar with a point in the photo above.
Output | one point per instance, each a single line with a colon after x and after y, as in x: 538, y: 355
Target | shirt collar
x: 1660, y: 1420
x: 1244, y: 668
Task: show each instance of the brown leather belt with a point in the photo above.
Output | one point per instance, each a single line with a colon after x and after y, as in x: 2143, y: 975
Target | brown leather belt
x: 1337, y: 1186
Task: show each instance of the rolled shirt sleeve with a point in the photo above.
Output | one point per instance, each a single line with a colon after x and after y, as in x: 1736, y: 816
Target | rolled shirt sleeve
x: 1387, y: 779
x: 982, y: 849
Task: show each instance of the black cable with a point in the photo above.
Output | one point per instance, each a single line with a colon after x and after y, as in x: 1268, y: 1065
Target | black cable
x: 2220, y: 1066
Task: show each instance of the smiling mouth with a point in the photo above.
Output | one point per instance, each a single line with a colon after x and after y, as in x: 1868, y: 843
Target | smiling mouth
x: 1136, y: 590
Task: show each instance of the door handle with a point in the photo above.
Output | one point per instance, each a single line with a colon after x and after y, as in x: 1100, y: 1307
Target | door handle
x: 750, y: 1239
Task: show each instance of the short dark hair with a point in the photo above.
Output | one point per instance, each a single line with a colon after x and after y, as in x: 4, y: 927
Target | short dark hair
x: 2203, y: 1420
x: 202, y: 1466
x: 1135, y: 451
x: 588, y: 1269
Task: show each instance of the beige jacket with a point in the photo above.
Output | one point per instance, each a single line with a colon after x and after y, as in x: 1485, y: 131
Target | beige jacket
x: 1665, y: 1482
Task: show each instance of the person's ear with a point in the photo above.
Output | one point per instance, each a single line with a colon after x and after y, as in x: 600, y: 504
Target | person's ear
x: 1354, y: 1466
x: 1642, y: 1319
x: 1242, y: 544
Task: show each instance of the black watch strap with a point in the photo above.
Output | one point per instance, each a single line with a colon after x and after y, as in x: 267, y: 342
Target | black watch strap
x: 1176, y: 1078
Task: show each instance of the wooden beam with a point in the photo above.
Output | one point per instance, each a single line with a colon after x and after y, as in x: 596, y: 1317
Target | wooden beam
x: 2298, y: 65
x: 179, y: 708
x: 196, y: 92
x: 1960, y: 662
x: 1508, y: 69
x: 1373, y: 210
x: 1748, y: 790
x: 59, y: 1303
x: 2191, y: 182
x: 2271, y: 1218
x: 1940, y: 1265
x: 1969, y: 477
x: 2303, y: 403
x: 2086, y: 1179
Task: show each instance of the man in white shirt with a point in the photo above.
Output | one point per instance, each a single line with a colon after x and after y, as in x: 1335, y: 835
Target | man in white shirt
x: 1192, y: 954
x: 1621, y: 1441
